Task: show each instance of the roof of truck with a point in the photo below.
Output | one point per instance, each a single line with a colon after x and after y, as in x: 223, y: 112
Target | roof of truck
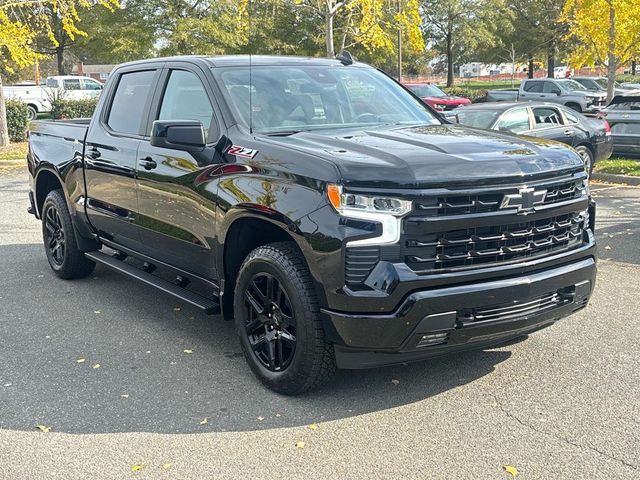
x: 243, y: 60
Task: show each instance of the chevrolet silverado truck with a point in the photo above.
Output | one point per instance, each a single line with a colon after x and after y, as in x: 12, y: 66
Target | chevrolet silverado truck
x: 321, y: 206
x: 563, y: 91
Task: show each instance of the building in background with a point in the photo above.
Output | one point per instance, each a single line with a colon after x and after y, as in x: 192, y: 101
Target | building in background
x: 97, y: 72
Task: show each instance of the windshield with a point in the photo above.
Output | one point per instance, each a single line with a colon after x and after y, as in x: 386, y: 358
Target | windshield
x: 477, y: 118
x: 426, y: 90
x: 603, y: 83
x: 297, y: 98
x: 569, y: 85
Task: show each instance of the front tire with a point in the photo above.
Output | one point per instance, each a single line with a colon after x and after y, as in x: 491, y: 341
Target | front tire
x: 65, y: 259
x: 277, y: 318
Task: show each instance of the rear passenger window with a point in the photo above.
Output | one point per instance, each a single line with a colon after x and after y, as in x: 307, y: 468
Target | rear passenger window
x: 516, y: 120
x: 185, y: 99
x: 127, y: 106
x: 533, y: 87
x: 547, y: 117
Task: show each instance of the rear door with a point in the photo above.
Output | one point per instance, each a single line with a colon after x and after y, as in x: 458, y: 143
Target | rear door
x: 624, y: 117
x: 515, y: 120
x: 177, y: 200
x: 111, y: 156
x: 549, y: 123
x: 531, y: 90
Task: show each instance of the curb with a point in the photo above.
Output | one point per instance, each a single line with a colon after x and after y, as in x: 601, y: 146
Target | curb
x: 613, y: 178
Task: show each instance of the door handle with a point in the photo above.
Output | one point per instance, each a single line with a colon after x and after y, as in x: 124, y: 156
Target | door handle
x: 148, y: 163
x: 93, y: 153
x: 568, y: 132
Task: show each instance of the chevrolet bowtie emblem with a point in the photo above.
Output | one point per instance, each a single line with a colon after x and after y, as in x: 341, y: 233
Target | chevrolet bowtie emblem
x: 525, y: 200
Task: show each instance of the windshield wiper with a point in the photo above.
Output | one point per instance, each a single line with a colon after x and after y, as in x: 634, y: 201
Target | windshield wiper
x: 283, y: 133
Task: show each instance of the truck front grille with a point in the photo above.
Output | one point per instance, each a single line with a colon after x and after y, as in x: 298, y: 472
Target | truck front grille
x: 492, y: 244
x: 471, y: 203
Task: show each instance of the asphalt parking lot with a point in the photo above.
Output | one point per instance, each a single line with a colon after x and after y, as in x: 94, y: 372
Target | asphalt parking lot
x: 563, y: 403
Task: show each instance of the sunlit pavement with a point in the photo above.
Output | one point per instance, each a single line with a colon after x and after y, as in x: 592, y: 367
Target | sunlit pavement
x: 563, y: 403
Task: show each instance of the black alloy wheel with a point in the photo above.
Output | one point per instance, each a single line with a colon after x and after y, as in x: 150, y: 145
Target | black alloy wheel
x: 270, y: 326
x: 54, y: 235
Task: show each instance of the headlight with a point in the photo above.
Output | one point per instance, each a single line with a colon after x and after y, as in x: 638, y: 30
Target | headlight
x: 384, y: 210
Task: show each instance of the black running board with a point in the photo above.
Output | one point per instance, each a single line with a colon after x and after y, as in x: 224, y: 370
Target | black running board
x: 209, y: 306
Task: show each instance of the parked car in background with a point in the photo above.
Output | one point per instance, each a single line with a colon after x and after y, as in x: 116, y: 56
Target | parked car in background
x: 437, y: 99
x: 38, y: 97
x: 630, y: 86
x: 598, y: 84
x: 623, y: 114
x: 590, y: 137
x: 563, y: 91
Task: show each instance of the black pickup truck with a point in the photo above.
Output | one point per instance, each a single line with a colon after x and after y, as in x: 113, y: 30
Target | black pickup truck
x: 319, y: 204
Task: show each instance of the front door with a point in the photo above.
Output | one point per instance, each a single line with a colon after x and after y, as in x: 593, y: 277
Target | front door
x: 177, y: 198
x: 111, y: 156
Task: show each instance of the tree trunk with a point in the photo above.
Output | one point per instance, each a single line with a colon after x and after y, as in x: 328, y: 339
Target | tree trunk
x: 531, y: 67
x: 612, y: 60
x: 633, y: 67
x: 60, y: 59
x: 449, y: 60
x: 4, y: 130
x: 328, y: 33
x: 551, y: 62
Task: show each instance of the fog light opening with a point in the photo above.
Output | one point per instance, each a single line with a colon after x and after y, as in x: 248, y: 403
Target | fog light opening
x: 431, y: 339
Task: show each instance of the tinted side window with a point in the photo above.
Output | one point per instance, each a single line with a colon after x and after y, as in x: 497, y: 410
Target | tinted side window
x: 186, y: 99
x: 533, y: 87
x: 624, y: 106
x: 571, y: 117
x: 71, y: 84
x: 92, y: 85
x: 516, y: 121
x: 52, y: 83
x: 546, y: 117
x: 127, y: 106
x: 550, y: 87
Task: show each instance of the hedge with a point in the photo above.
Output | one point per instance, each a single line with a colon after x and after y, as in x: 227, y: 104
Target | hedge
x: 65, y: 108
x: 17, y: 121
x: 473, y: 94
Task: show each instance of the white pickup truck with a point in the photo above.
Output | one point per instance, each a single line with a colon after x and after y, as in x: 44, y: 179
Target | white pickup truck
x: 38, y: 97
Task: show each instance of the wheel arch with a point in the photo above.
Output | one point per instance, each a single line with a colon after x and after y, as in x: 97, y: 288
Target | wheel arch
x: 46, y: 181
x: 247, y: 230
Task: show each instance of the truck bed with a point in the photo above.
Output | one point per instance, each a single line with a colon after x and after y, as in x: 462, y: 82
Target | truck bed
x: 58, y: 140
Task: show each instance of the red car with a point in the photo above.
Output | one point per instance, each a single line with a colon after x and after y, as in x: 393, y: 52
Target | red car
x: 436, y: 98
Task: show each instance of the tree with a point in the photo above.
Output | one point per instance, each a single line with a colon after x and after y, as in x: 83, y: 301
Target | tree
x: 21, y: 21
x: 457, y: 27
x: 371, y: 24
x: 607, y: 33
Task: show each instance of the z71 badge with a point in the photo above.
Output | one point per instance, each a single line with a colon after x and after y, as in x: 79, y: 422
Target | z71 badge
x: 239, y: 151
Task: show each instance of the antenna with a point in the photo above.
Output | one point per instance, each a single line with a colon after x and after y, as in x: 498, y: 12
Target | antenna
x: 250, y: 77
x: 345, y: 58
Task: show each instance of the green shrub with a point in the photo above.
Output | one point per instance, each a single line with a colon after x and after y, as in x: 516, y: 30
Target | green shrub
x: 17, y: 121
x: 473, y: 94
x: 65, y: 108
x: 628, y: 78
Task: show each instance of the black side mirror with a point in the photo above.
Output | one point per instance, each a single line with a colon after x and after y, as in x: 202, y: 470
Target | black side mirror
x: 187, y: 135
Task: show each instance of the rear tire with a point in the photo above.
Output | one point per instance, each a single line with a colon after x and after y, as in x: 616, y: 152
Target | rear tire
x: 65, y: 259
x: 277, y: 318
x: 587, y: 158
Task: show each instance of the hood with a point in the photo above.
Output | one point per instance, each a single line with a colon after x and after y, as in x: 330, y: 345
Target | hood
x: 590, y: 93
x: 434, y: 155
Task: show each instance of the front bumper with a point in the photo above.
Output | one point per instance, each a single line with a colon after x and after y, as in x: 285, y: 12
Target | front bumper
x: 435, y: 322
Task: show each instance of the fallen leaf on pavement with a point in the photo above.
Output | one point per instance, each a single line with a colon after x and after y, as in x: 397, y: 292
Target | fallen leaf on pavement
x: 300, y: 444
x: 137, y: 467
x: 97, y: 365
x: 124, y: 396
x: 43, y: 428
x: 96, y: 312
x: 512, y: 470
x: 607, y: 247
x: 176, y: 309
x: 204, y: 421
x: 80, y: 360
x: 167, y: 465
x: 313, y: 426
x: 260, y: 419
x: 395, y: 382
x: 187, y: 351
